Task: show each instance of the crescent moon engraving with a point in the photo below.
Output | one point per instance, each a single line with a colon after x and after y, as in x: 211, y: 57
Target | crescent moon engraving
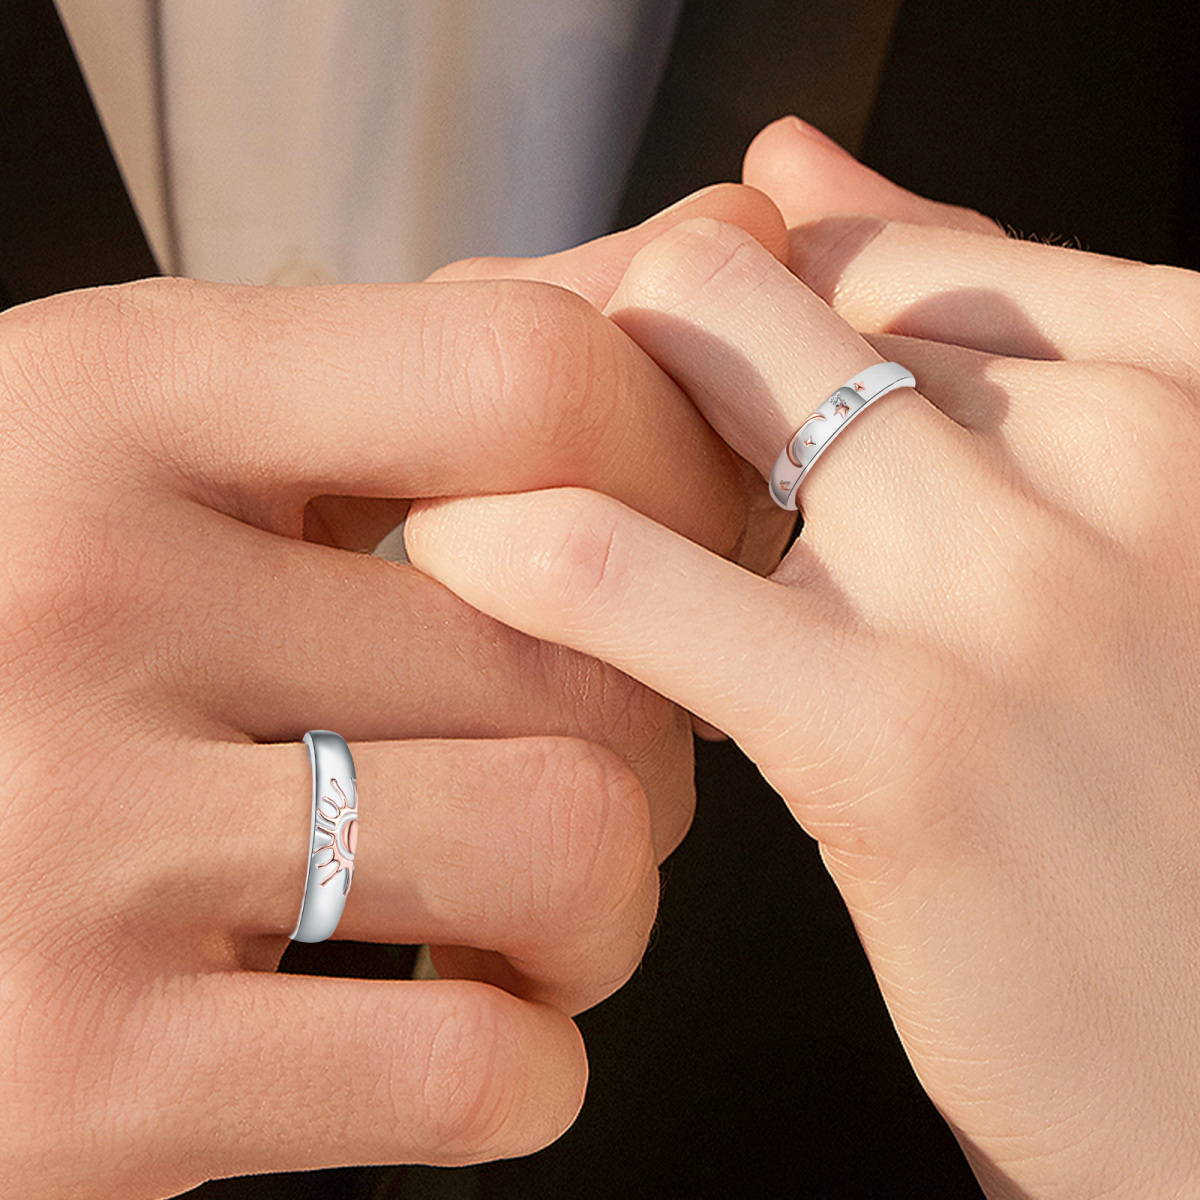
x: 792, y: 440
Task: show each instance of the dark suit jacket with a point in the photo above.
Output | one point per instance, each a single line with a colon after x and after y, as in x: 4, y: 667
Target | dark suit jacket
x: 751, y: 1056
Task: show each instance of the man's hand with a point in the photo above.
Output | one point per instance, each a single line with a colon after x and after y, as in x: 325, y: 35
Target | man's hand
x: 167, y: 636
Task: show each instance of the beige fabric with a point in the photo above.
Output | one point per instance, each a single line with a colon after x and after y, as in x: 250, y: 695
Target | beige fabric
x: 352, y: 140
x: 114, y: 43
x: 359, y: 141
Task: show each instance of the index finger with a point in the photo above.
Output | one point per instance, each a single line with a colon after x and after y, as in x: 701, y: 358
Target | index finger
x: 595, y: 268
x: 254, y: 400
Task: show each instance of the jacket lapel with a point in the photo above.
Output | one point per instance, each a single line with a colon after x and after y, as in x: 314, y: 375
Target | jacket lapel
x: 65, y: 218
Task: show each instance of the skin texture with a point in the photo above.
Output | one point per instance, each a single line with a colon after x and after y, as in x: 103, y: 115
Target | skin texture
x: 974, y: 678
x: 166, y: 637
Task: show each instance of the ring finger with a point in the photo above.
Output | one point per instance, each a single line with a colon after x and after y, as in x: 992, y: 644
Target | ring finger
x: 282, y: 636
x: 534, y: 851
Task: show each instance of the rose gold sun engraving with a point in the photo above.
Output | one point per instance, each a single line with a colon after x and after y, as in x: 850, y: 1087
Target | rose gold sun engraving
x: 337, y: 820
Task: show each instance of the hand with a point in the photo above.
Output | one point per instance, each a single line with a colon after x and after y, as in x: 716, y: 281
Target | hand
x: 974, y: 677
x: 168, y: 637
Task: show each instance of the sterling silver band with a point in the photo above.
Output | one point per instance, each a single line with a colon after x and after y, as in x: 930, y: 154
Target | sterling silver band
x: 805, y: 446
x: 334, y: 836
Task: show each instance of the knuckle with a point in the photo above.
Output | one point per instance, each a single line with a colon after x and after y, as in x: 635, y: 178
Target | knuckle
x: 1158, y: 458
x: 595, y: 836
x: 821, y: 252
x: 40, y: 338
x: 1139, y: 434
x: 44, y: 356
x: 972, y: 220
x: 556, y: 356
x: 654, y: 737
x: 646, y: 731
x: 574, y: 557
x: 1174, y: 294
x: 1124, y: 392
x: 629, y: 718
x: 688, y: 260
x: 56, y: 589
x: 76, y: 367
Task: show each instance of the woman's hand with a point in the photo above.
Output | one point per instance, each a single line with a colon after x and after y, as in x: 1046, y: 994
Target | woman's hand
x: 974, y: 678
x: 166, y: 638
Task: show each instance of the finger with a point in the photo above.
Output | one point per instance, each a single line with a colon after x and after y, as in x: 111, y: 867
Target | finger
x: 254, y: 400
x: 757, y: 352
x: 592, y: 270
x: 297, y: 1073
x: 283, y: 636
x: 809, y: 175
x: 595, y: 268
x: 921, y: 525
x: 536, y: 850
x: 1003, y: 296
x: 1073, y: 433
x: 786, y: 671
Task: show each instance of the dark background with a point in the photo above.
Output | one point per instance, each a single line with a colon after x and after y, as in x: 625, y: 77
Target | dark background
x: 751, y: 1055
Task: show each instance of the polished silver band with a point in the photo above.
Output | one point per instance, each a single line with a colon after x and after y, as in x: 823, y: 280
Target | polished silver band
x: 833, y: 414
x: 334, y: 836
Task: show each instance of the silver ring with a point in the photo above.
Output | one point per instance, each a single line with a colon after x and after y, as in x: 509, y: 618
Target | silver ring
x: 833, y: 414
x: 334, y: 836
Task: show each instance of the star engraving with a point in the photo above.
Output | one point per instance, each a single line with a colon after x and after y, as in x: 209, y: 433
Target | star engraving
x: 809, y: 442
x: 860, y: 387
x: 843, y: 409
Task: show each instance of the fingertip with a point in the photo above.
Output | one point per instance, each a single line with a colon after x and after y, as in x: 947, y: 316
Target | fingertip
x: 593, y: 269
x: 429, y: 521
x: 477, y: 267
x: 748, y: 207
x: 553, y: 1100
x: 779, y: 137
x: 505, y: 1077
x: 574, y: 1090
x: 684, y: 256
x: 809, y: 175
x: 773, y: 232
